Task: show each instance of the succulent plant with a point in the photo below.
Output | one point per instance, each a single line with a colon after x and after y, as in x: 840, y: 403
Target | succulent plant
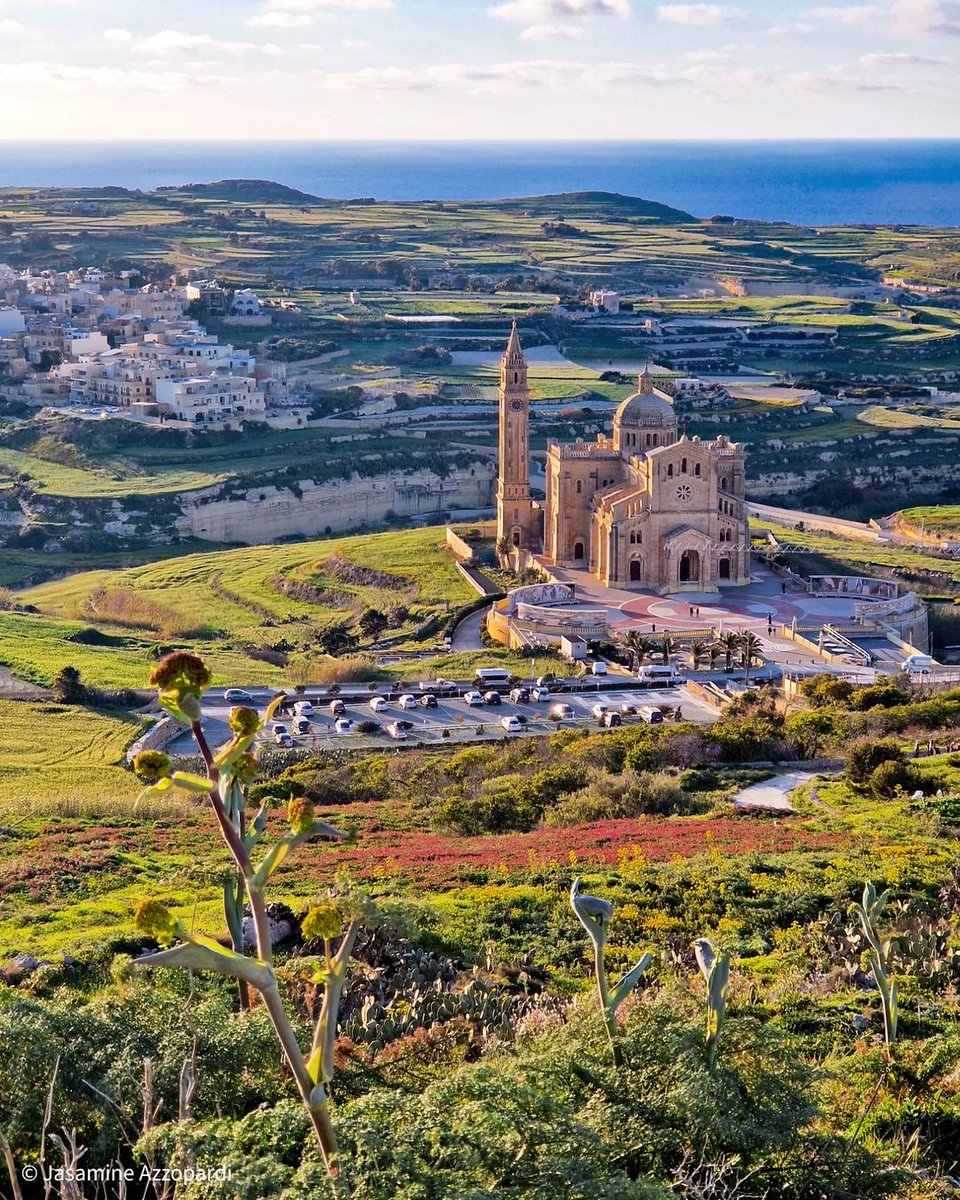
x: 869, y: 911
x: 714, y: 966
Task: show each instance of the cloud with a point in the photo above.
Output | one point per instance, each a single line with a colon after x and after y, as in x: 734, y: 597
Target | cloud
x: 174, y: 44
x: 845, y: 14
x: 296, y: 14
x: 545, y: 19
x: 543, y: 33
x: 547, y: 11
x: 925, y: 17
x: 699, y: 14
x: 69, y: 77
x: 883, y: 60
x: 499, y: 78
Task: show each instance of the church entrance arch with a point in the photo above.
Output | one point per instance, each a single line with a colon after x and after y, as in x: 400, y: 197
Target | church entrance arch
x: 579, y: 551
x: 636, y: 570
x: 690, y: 566
x: 723, y: 568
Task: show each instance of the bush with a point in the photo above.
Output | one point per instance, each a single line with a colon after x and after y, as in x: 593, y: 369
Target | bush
x: 865, y: 757
x: 895, y: 776
x: 612, y: 797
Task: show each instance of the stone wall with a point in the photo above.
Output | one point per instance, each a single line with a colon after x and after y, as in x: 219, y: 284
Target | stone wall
x: 265, y: 514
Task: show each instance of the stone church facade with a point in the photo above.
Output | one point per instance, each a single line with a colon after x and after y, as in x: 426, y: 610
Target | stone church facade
x: 644, y: 508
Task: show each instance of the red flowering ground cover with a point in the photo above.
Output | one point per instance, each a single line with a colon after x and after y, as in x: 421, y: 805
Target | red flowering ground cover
x: 66, y: 857
x: 430, y: 860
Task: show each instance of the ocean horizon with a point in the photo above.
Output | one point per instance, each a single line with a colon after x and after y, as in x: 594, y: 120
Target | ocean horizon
x: 895, y: 182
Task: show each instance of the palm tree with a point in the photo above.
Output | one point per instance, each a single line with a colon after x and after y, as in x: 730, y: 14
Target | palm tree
x: 729, y: 645
x: 697, y: 652
x: 714, y: 650
x: 638, y: 647
x: 667, y: 647
x: 750, y: 646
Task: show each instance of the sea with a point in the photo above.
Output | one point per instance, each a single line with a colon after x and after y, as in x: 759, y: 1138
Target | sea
x: 912, y: 182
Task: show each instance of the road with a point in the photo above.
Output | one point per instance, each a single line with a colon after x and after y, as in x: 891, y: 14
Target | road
x: 453, y: 715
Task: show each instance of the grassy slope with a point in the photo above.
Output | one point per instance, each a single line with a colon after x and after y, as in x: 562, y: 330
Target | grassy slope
x: 193, y: 594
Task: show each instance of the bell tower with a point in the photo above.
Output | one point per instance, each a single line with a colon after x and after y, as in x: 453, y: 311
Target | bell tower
x: 516, y: 520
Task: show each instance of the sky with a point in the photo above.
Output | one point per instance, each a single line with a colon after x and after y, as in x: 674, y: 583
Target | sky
x: 477, y: 69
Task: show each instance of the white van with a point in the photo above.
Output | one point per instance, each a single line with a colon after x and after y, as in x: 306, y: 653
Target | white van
x: 652, y: 673
x: 598, y: 668
x: 918, y: 662
x: 492, y: 675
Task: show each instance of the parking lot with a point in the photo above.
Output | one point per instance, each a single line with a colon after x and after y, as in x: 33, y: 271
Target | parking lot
x: 452, y: 717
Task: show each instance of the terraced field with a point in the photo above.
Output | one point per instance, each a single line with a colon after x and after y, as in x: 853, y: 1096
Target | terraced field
x: 231, y: 604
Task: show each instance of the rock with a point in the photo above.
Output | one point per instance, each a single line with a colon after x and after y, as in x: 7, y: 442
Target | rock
x: 20, y: 968
x: 284, y: 927
x: 861, y: 1023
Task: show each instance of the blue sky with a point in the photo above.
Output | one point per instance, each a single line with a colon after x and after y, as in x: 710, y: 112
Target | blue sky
x: 154, y: 69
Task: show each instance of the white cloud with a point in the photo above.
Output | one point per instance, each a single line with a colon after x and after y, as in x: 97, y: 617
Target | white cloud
x: 68, y: 77
x: 883, y: 60
x: 295, y: 14
x: 174, y: 44
x: 925, y: 17
x: 845, y: 14
x: 699, y: 14
x: 546, y: 12
x: 544, y: 33
x: 499, y: 78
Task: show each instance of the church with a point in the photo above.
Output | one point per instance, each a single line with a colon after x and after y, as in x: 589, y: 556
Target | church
x: 644, y: 509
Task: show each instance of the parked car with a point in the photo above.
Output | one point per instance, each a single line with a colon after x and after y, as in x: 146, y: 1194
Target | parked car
x: 628, y: 710
x: 407, y: 701
x: 654, y: 673
x: 492, y: 698
x: 338, y: 708
x: 302, y: 725
x: 473, y: 699
x: 544, y: 681
x: 396, y: 731
x: 343, y: 725
x: 610, y: 720
x: 428, y: 700
x: 379, y: 704
x: 279, y: 728
x: 520, y: 695
x: 511, y: 725
x: 598, y: 668
x: 303, y: 708
x: 562, y: 712
x: 652, y: 716
x: 237, y: 696
x: 540, y: 695
x: 284, y: 740
x: 600, y: 710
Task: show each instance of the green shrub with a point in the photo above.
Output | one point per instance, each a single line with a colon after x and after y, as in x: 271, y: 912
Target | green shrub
x: 865, y: 757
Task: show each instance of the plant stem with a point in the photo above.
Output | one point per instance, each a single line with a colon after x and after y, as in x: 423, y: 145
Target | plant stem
x: 609, y: 1020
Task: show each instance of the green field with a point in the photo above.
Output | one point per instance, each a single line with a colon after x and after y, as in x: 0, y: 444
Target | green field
x: 229, y: 604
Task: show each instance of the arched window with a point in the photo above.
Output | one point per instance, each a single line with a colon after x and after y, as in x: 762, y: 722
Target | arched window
x: 516, y: 377
x: 696, y: 470
x: 656, y: 439
x: 579, y: 488
x: 670, y: 471
x: 723, y: 483
x: 683, y: 466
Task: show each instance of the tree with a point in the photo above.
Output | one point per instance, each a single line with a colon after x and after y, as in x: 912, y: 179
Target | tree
x: 698, y: 651
x: 336, y: 640
x: 729, y: 643
x: 638, y: 647
x: 372, y: 623
x: 714, y: 650
x: 749, y: 645
x: 68, y: 688
x: 667, y: 647
x: 865, y: 757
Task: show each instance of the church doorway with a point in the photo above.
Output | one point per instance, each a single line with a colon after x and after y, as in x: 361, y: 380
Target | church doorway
x: 723, y: 568
x: 690, y: 567
x: 636, y: 570
x: 578, y: 551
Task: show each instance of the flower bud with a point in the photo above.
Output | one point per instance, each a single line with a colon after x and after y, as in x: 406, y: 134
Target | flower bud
x: 246, y: 769
x: 244, y: 721
x: 301, y: 815
x: 325, y: 922
x: 151, y: 765
x: 181, y: 679
x: 156, y: 920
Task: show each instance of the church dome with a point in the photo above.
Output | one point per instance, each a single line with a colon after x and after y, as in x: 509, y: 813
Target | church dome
x: 646, y: 409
